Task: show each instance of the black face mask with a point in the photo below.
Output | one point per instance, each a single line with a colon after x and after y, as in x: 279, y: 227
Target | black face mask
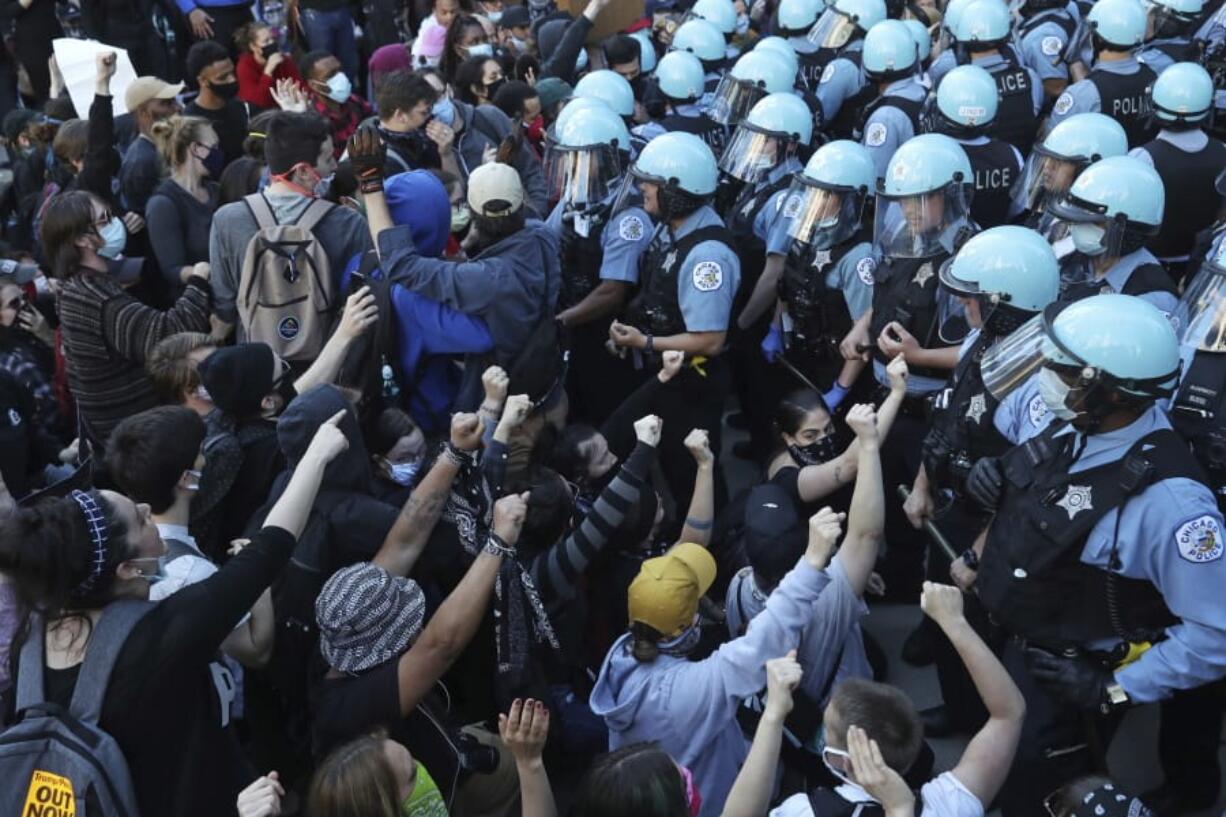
x: 816, y: 452
x: 225, y: 90
x: 268, y: 50
x: 492, y: 88
x: 414, y: 147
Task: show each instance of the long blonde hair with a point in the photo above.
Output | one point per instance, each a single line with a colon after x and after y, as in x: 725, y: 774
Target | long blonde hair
x: 175, y: 136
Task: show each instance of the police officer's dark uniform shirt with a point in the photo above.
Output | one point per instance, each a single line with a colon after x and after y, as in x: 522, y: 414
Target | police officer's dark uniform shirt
x: 707, y: 278
x: 1117, y: 279
x: 688, y: 118
x: 1161, y: 54
x: 992, y: 63
x: 1127, y: 103
x: 996, y: 165
x: 852, y: 275
x: 623, y: 238
x: 1188, y: 162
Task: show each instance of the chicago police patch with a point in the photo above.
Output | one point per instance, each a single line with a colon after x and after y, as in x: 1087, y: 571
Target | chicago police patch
x: 792, y: 208
x: 1037, y: 411
x: 874, y: 137
x: 865, y: 268
x: 827, y: 73
x: 630, y: 228
x: 708, y: 276
x: 1200, y: 540
x: 1051, y: 46
x: 1064, y: 104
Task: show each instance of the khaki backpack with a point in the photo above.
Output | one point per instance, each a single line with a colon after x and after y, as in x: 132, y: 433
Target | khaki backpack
x: 286, y: 294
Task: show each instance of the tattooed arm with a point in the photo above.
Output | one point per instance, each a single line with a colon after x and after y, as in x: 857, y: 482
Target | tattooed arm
x: 408, y: 536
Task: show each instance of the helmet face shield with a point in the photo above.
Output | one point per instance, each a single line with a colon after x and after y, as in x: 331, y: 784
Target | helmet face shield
x: 821, y: 216
x: 751, y: 153
x: 1200, y: 317
x: 1092, y: 231
x: 1014, y: 359
x: 921, y: 224
x: 833, y: 29
x: 1047, y: 176
x: 733, y: 100
x: 581, y: 175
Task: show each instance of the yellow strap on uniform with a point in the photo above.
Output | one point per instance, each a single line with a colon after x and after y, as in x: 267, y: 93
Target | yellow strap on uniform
x: 1135, y: 650
x: 696, y: 364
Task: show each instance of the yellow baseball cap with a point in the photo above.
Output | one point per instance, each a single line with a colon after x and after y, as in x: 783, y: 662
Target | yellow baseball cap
x: 665, y: 594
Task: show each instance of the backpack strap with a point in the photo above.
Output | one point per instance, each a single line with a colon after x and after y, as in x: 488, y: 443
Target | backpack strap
x: 105, y: 642
x: 261, y: 211
x: 30, y: 689
x: 315, y: 212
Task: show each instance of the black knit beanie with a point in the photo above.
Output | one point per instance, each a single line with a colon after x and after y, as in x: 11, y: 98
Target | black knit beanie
x: 238, y: 377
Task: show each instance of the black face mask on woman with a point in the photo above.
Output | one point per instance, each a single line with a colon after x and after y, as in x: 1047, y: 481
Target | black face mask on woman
x: 816, y: 452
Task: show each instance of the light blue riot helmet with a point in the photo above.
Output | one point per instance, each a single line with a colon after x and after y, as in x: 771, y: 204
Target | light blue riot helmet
x: 703, y: 40
x: 573, y: 106
x: 1113, y: 207
x: 610, y: 88
x: 684, y: 169
x: 1201, y: 314
x: 964, y: 105
x: 1089, y: 350
x: 845, y: 21
x: 1012, y: 273
x: 923, y: 42
x: 1182, y: 96
x: 889, y: 52
x: 767, y: 136
x: 647, y: 57
x: 754, y: 75
x: 953, y: 13
x: 985, y: 23
x: 795, y: 17
x: 1172, y: 18
x: 719, y: 13
x: 923, y: 201
x: 587, y: 156
x: 825, y: 204
x: 780, y: 46
x: 680, y: 76
x: 1118, y: 25
x: 1069, y: 148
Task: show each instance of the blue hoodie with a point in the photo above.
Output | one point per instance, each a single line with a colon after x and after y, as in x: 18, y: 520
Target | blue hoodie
x: 690, y: 707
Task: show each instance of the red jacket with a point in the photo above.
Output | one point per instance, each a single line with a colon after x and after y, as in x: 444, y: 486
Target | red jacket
x: 254, y: 86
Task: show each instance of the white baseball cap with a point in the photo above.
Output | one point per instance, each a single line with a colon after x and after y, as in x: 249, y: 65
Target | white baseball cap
x: 494, y: 190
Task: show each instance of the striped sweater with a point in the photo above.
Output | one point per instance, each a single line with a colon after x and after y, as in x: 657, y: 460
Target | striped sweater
x: 107, y: 335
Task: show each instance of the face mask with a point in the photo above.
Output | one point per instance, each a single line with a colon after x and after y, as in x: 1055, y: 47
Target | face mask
x: 816, y: 452
x: 214, y: 162
x: 1054, y: 393
x: 460, y: 216
x: 403, y: 472
x: 828, y: 752
x: 114, y: 238
x: 742, y: 24
x: 425, y: 800
x: 519, y: 45
x: 158, y: 574
x: 444, y: 111
x: 195, y: 475
x: 693, y: 798
x: 1088, y: 238
x: 268, y: 50
x: 324, y: 185
x: 339, y: 88
x: 492, y: 88
x: 493, y: 16
x: 480, y: 50
x: 203, y: 394
x: 683, y: 644
x: 225, y: 90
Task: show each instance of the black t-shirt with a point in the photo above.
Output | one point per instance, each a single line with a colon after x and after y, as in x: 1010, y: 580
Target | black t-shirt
x: 161, y: 705
x: 230, y: 122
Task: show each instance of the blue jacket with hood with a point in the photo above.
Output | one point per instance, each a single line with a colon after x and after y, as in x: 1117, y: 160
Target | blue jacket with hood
x: 689, y: 707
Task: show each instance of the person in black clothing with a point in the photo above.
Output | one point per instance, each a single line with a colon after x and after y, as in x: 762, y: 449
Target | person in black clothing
x: 28, y: 450
x: 212, y: 68
x: 70, y: 559
x: 180, y: 212
x: 404, y: 100
x: 35, y: 27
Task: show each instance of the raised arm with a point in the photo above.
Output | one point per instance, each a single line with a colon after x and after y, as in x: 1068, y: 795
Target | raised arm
x: 360, y: 314
x: 453, y: 625
x: 412, y: 528
x: 866, y: 520
x: 701, y: 516
x: 751, y: 791
x: 987, y: 758
x: 524, y: 730
x: 618, y: 428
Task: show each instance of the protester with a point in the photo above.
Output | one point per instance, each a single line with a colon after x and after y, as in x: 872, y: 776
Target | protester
x: 333, y: 97
x: 261, y: 64
x: 180, y: 211
x: 150, y: 101
x: 209, y: 64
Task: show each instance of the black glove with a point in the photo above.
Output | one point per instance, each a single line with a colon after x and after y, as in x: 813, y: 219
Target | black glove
x: 985, y: 481
x: 1077, y: 681
x: 367, y: 154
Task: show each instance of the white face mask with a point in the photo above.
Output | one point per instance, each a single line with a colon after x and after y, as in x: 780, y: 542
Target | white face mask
x: 1088, y: 238
x: 1054, y: 393
x: 402, y: 472
x: 833, y: 769
x: 742, y: 24
x: 195, y: 484
x: 519, y: 45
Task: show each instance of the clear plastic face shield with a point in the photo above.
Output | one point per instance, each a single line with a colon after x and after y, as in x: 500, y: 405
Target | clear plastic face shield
x: 630, y: 192
x: 581, y: 176
x: 1016, y: 357
x: 822, y: 216
x: 733, y: 99
x: 1046, y: 177
x: 1163, y: 21
x: 1093, y: 233
x: 833, y: 29
x: 959, y: 305
x: 752, y: 153
x: 1200, y: 317
x: 922, y: 224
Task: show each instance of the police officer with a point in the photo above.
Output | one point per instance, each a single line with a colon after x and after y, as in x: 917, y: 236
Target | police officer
x: 1001, y: 278
x: 1105, y: 541
x: 889, y: 61
x: 980, y: 37
x: 679, y: 78
x: 793, y: 20
x: 1112, y: 210
x: 1053, y: 165
x: 1044, y: 33
x: 780, y: 46
x: 1186, y: 158
x: 721, y: 14
x: 704, y: 41
x: 1118, y: 85
x: 1172, y: 23
x: 599, y: 253
x: 923, y: 49
x: 762, y: 156
x: 612, y: 89
x: 688, y: 278
x: 826, y: 283
x: 754, y: 75
x: 842, y: 92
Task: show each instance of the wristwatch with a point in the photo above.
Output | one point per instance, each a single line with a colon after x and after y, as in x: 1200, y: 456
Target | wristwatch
x: 970, y: 558
x: 1116, y: 697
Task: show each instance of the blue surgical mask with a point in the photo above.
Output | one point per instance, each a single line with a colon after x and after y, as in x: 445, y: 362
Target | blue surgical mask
x: 403, y: 472
x: 493, y: 16
x: 339, y: 88
x: 444, y: 111
x: 742, y: 24
x: 480, y: 50
x: 519, y: 45
x: 324, y: 185
x: 159, y: 573
x: 114, y: 237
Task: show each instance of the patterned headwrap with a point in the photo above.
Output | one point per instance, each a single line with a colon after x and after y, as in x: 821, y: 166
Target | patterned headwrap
x: 95, y: 520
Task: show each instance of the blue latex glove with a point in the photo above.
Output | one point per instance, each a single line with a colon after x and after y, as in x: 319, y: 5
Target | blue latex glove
x: 835, y: 396
x: 772, y: 344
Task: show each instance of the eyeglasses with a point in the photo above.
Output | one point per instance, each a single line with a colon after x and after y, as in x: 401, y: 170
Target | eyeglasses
x: 15, y: 304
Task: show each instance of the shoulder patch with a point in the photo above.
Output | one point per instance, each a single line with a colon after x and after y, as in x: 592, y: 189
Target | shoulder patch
x: 708, y: 276
x: 1064, y: 104
x: 1200, y: 540
x: 865, y: 268
x: 827, y: 73
x: 1037, y: 411
x: 630, y: 228
x: 14, y: 417
x: 1051, y: 46
x: 874, y: 136
x: 792, y: 208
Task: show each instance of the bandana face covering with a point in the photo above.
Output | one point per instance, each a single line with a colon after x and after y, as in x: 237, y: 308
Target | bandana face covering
x: 816, y: 452
x: 425, y: 800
